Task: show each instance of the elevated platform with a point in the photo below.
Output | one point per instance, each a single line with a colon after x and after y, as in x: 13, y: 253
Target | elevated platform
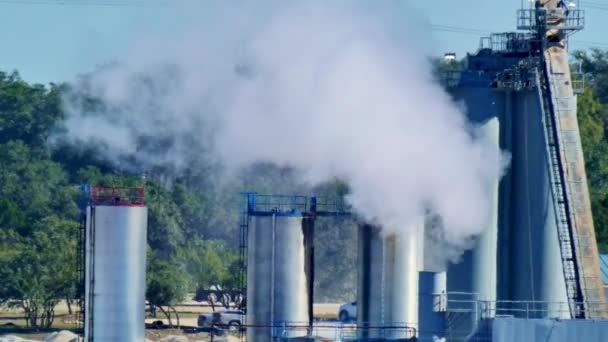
x: 293, y: 205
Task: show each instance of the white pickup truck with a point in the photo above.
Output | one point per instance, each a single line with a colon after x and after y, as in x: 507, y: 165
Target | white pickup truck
x: 227, y: 319
x: 348, y: 312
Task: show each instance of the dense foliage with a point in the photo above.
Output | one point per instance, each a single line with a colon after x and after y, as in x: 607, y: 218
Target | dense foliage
x: 593, y: 121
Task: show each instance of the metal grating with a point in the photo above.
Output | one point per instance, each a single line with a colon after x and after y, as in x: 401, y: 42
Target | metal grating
x: 81, y: 315
x: 569, y: 20
x: 117, y: 196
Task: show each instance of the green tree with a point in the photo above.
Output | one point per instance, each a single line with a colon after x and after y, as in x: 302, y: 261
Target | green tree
x: 210, y: 263
x: 28, y: 112
x: 166, y: 286
x: 40, y: 269
x: 593, y: 121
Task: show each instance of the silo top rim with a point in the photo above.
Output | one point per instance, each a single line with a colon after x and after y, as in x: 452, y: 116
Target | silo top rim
x: 116, y: 196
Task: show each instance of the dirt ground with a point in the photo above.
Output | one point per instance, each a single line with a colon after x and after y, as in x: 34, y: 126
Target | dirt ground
x: 11, y: 321
x: 178, y: 335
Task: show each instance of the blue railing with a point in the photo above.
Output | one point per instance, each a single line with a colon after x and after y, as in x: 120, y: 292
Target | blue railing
x: 294, y: 205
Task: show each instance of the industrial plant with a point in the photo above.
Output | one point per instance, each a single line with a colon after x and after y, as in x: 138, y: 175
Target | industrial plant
x: 533, y: 275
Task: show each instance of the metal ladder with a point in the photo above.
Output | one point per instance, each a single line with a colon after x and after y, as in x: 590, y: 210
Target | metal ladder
x: 91, y: 264
x: 559, y: 188
x: 244, y: 239
x: 82, y: 249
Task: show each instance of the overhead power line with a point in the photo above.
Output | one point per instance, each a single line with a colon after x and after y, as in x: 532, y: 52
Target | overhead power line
x: 103, y: 3
x: 458, y: 29
x: 437, y: 28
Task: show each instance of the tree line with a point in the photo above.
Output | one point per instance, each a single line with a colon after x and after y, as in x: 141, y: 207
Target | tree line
x: 40, y: 215
x: 193, y: 232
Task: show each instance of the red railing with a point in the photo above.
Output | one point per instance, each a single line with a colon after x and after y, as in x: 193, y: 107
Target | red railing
x: 117, y: 196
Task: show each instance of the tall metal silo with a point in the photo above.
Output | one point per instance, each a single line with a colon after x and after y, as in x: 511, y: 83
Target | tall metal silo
x: 476, y: 273
x: 388, y: 283
x: 529, y: 262
x: 277, y: 279
x: 278, y: 233
x: 534, y: 249
x: 115, y: 271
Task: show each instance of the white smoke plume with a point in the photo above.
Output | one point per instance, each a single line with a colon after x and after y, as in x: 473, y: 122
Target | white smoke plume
x: 331, y: 88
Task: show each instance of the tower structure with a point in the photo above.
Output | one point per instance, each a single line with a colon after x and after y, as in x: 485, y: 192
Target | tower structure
x: 546, y: 258
x: 552, y: 22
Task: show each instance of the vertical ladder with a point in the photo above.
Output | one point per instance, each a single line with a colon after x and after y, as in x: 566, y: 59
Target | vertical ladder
x: 244, y: 239
x: 81, y: 316
x: 559, y: 189
x: 91, y: 266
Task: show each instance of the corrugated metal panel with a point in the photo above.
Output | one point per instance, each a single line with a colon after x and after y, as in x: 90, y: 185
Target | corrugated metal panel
x: 545, y: 330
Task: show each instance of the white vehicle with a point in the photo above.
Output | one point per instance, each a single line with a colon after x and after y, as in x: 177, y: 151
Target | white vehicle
x: 347, y: 312
x: 204, y: 320
x: 229, y: 319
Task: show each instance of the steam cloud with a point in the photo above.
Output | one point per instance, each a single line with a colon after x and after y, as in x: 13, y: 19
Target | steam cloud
x: 331, y: 88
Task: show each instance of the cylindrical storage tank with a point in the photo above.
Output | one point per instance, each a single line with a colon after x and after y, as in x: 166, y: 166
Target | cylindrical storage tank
x: 277, y: 288
x: 432, y: 305
x: 534, y: 250
x: 528, y: 243
x: 370, y: 282
x: 115, y: 276
x: 476, y: 273
x: 388, y: 284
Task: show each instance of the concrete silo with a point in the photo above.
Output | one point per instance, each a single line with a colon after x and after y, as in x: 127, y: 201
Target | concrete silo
x: 115, y: 271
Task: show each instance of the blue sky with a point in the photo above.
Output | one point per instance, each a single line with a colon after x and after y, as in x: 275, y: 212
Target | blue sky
x: 53, y: 42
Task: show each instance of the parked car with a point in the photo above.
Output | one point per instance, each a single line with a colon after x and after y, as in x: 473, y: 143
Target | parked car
x: 226, y: 319
x: 347, y: 312
x: 204, y: 320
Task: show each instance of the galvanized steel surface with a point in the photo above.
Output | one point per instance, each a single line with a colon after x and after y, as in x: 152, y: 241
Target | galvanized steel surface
x: 277, y: 290
x: 476, y: 273
x: 116, y: 273
x: 388, y: 281
x: 370, y: 279
x: 537, y: 271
